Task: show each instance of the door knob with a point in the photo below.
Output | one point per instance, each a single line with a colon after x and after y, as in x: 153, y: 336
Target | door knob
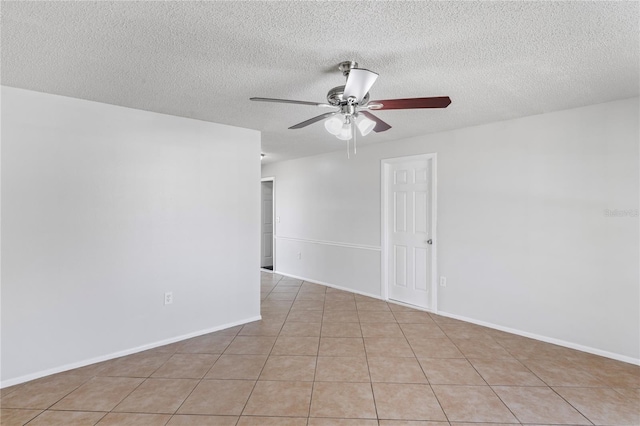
x: 429, y: 241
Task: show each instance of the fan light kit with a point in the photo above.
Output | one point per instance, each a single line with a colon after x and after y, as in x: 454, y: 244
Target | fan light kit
x: 350, y: 106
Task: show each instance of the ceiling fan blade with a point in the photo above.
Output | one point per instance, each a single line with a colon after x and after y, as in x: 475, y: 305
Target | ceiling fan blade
x: 289, y: 101
x: 381, y: 126
x: 314, y: 120
x: 358, y: 83
x: 411, y: 103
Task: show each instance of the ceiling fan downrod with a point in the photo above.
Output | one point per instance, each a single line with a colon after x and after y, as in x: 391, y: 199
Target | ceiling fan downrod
x: 346, y: 67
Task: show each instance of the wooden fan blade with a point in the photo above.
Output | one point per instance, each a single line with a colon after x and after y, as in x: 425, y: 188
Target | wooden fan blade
x: 381, y: 126
x: 313, y: 120
x: 289, y: 101
x: 411, y: 103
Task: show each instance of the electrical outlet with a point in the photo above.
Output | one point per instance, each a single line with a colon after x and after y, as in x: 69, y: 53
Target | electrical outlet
x: 168, y: 298
x: 443, y: 281
x: 299, y: 255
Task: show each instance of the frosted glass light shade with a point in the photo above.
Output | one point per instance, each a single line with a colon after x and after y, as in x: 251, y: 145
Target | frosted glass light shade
x: 365, y: 125
x: 345, y: 133
x: 334, y: 125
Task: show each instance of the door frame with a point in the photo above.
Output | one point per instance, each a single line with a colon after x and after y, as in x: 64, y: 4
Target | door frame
x: 385, y: 165
x: 273, y: 215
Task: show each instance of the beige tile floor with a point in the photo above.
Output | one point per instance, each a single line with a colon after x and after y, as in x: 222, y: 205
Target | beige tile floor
x: 321, y: 356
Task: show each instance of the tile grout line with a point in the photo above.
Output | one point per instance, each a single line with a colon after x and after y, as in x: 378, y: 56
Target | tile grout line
x: 527, y: 368
x: 203, y: 377
x: 268, y: 355
x: 199, y: 381
x: 466, y: 358
x: 572, y: 406
x: 550, y: 387
x: 446, y: 416
x: 100, y: 411
x: 63, y: 397
x: 315, y: 372
x: 366, y: 356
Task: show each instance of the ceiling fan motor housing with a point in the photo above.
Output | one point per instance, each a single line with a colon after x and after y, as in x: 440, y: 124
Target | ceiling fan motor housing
x: 336, y: 98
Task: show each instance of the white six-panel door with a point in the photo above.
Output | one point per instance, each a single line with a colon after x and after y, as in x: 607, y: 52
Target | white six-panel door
x: 409, y: 239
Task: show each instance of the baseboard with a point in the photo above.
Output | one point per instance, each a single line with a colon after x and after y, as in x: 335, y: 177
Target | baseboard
x: 545, y: 339
x: 67, y: 367
x: 373, y: 296
x: 406, y: 305
x: 541, y: 338
x: 337, y: 287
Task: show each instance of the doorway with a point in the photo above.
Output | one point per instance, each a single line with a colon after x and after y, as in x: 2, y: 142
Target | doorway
x: 409, y: 230
x: 267, y: 252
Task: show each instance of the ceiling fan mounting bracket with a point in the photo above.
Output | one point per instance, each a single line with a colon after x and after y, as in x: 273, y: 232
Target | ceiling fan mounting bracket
x: 347, y: 66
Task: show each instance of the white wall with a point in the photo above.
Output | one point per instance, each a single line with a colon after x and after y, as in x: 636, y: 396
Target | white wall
x: 104, y: 209
x: 522, y: 235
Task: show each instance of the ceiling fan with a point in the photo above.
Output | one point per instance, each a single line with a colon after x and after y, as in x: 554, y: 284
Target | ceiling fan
x: 351, y: 106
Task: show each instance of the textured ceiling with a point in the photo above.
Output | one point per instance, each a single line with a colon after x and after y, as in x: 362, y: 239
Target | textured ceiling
x: 496, y: 60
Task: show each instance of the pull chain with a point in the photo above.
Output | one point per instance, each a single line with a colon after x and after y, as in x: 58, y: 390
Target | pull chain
x: 353, y: 128
x: 348, y: 149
